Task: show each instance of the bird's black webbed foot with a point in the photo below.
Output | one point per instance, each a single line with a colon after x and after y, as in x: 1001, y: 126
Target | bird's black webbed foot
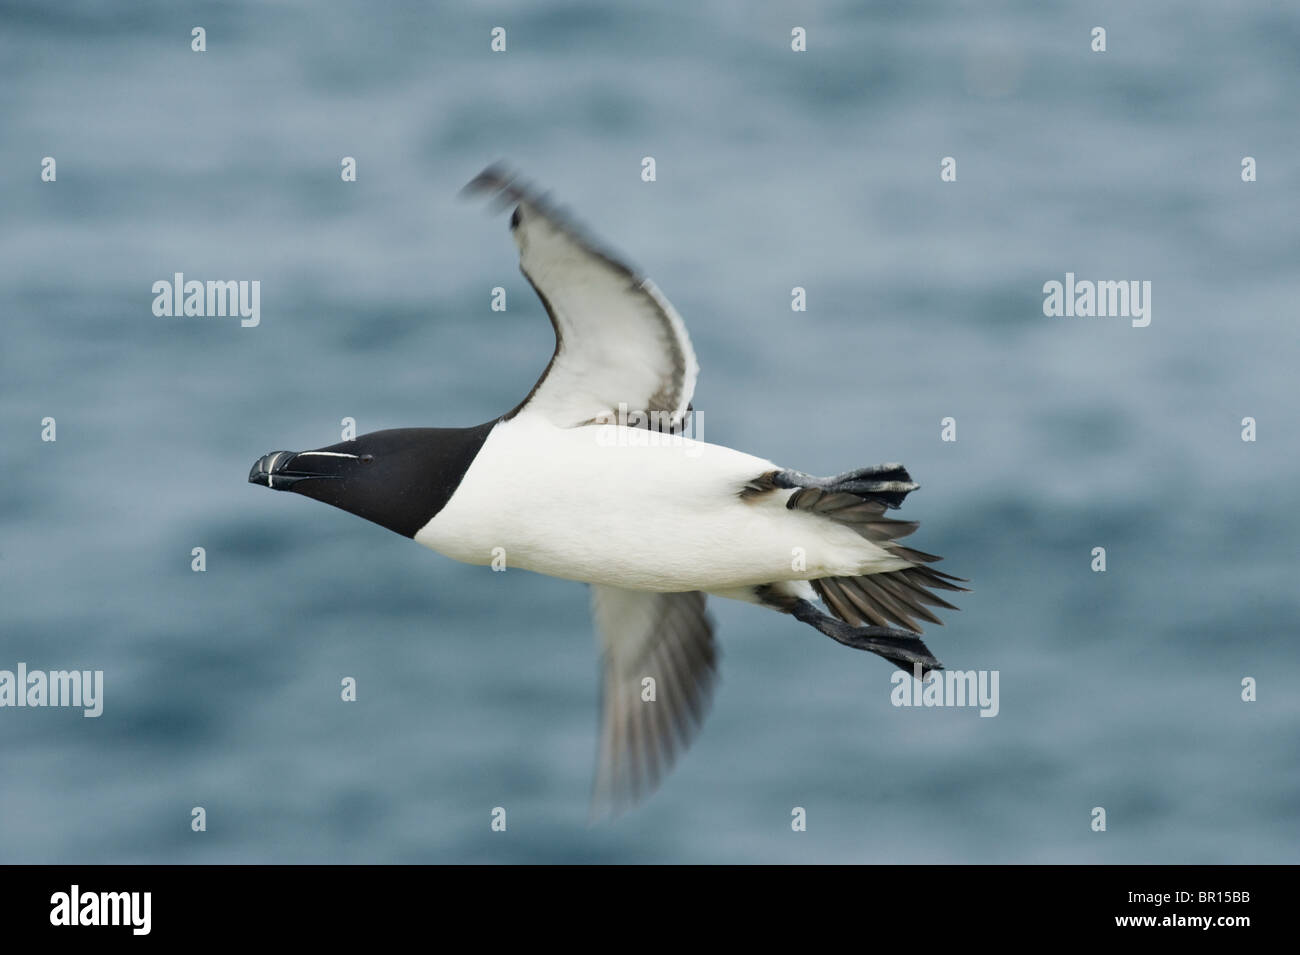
x: 887, y: 483
x: 902, y: 648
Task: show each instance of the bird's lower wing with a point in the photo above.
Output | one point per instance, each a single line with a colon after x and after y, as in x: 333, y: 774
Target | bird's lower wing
x: 660, y: 662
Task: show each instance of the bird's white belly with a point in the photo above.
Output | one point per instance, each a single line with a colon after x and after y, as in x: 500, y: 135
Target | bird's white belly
x: 605, y: 504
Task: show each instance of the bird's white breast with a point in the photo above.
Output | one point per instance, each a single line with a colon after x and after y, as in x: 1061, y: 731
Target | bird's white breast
x: 636, y: 509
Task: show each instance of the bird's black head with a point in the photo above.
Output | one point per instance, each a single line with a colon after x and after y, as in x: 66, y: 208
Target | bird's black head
x: 399, y: 479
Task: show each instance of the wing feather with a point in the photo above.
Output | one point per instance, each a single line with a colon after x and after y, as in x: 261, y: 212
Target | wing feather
x: 620, y: 346
x: 664, y: 636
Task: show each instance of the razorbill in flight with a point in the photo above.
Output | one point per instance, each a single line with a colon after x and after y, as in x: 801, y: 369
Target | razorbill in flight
x: 570, y: 484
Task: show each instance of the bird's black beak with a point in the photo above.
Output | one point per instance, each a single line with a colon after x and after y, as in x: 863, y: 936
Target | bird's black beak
x: 281, y: 470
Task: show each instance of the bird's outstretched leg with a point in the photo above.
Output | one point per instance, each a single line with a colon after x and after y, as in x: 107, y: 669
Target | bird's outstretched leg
x: 902, y: 648
x: 888, y: 484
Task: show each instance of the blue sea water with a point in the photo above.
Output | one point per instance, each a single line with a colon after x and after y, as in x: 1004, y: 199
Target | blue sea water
x: 775, y: 169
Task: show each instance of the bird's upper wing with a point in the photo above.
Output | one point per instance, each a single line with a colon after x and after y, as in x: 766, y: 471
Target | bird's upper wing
x: 618, y: 341
x: 664, y: 637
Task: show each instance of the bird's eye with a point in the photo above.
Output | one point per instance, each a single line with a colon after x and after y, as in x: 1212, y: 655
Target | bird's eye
x: 367, y: 458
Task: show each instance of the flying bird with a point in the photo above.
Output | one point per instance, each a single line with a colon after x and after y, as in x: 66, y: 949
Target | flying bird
x: 592, y: 478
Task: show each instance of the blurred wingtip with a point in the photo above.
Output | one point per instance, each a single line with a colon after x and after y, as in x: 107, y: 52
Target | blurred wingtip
x: 498, y: 180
